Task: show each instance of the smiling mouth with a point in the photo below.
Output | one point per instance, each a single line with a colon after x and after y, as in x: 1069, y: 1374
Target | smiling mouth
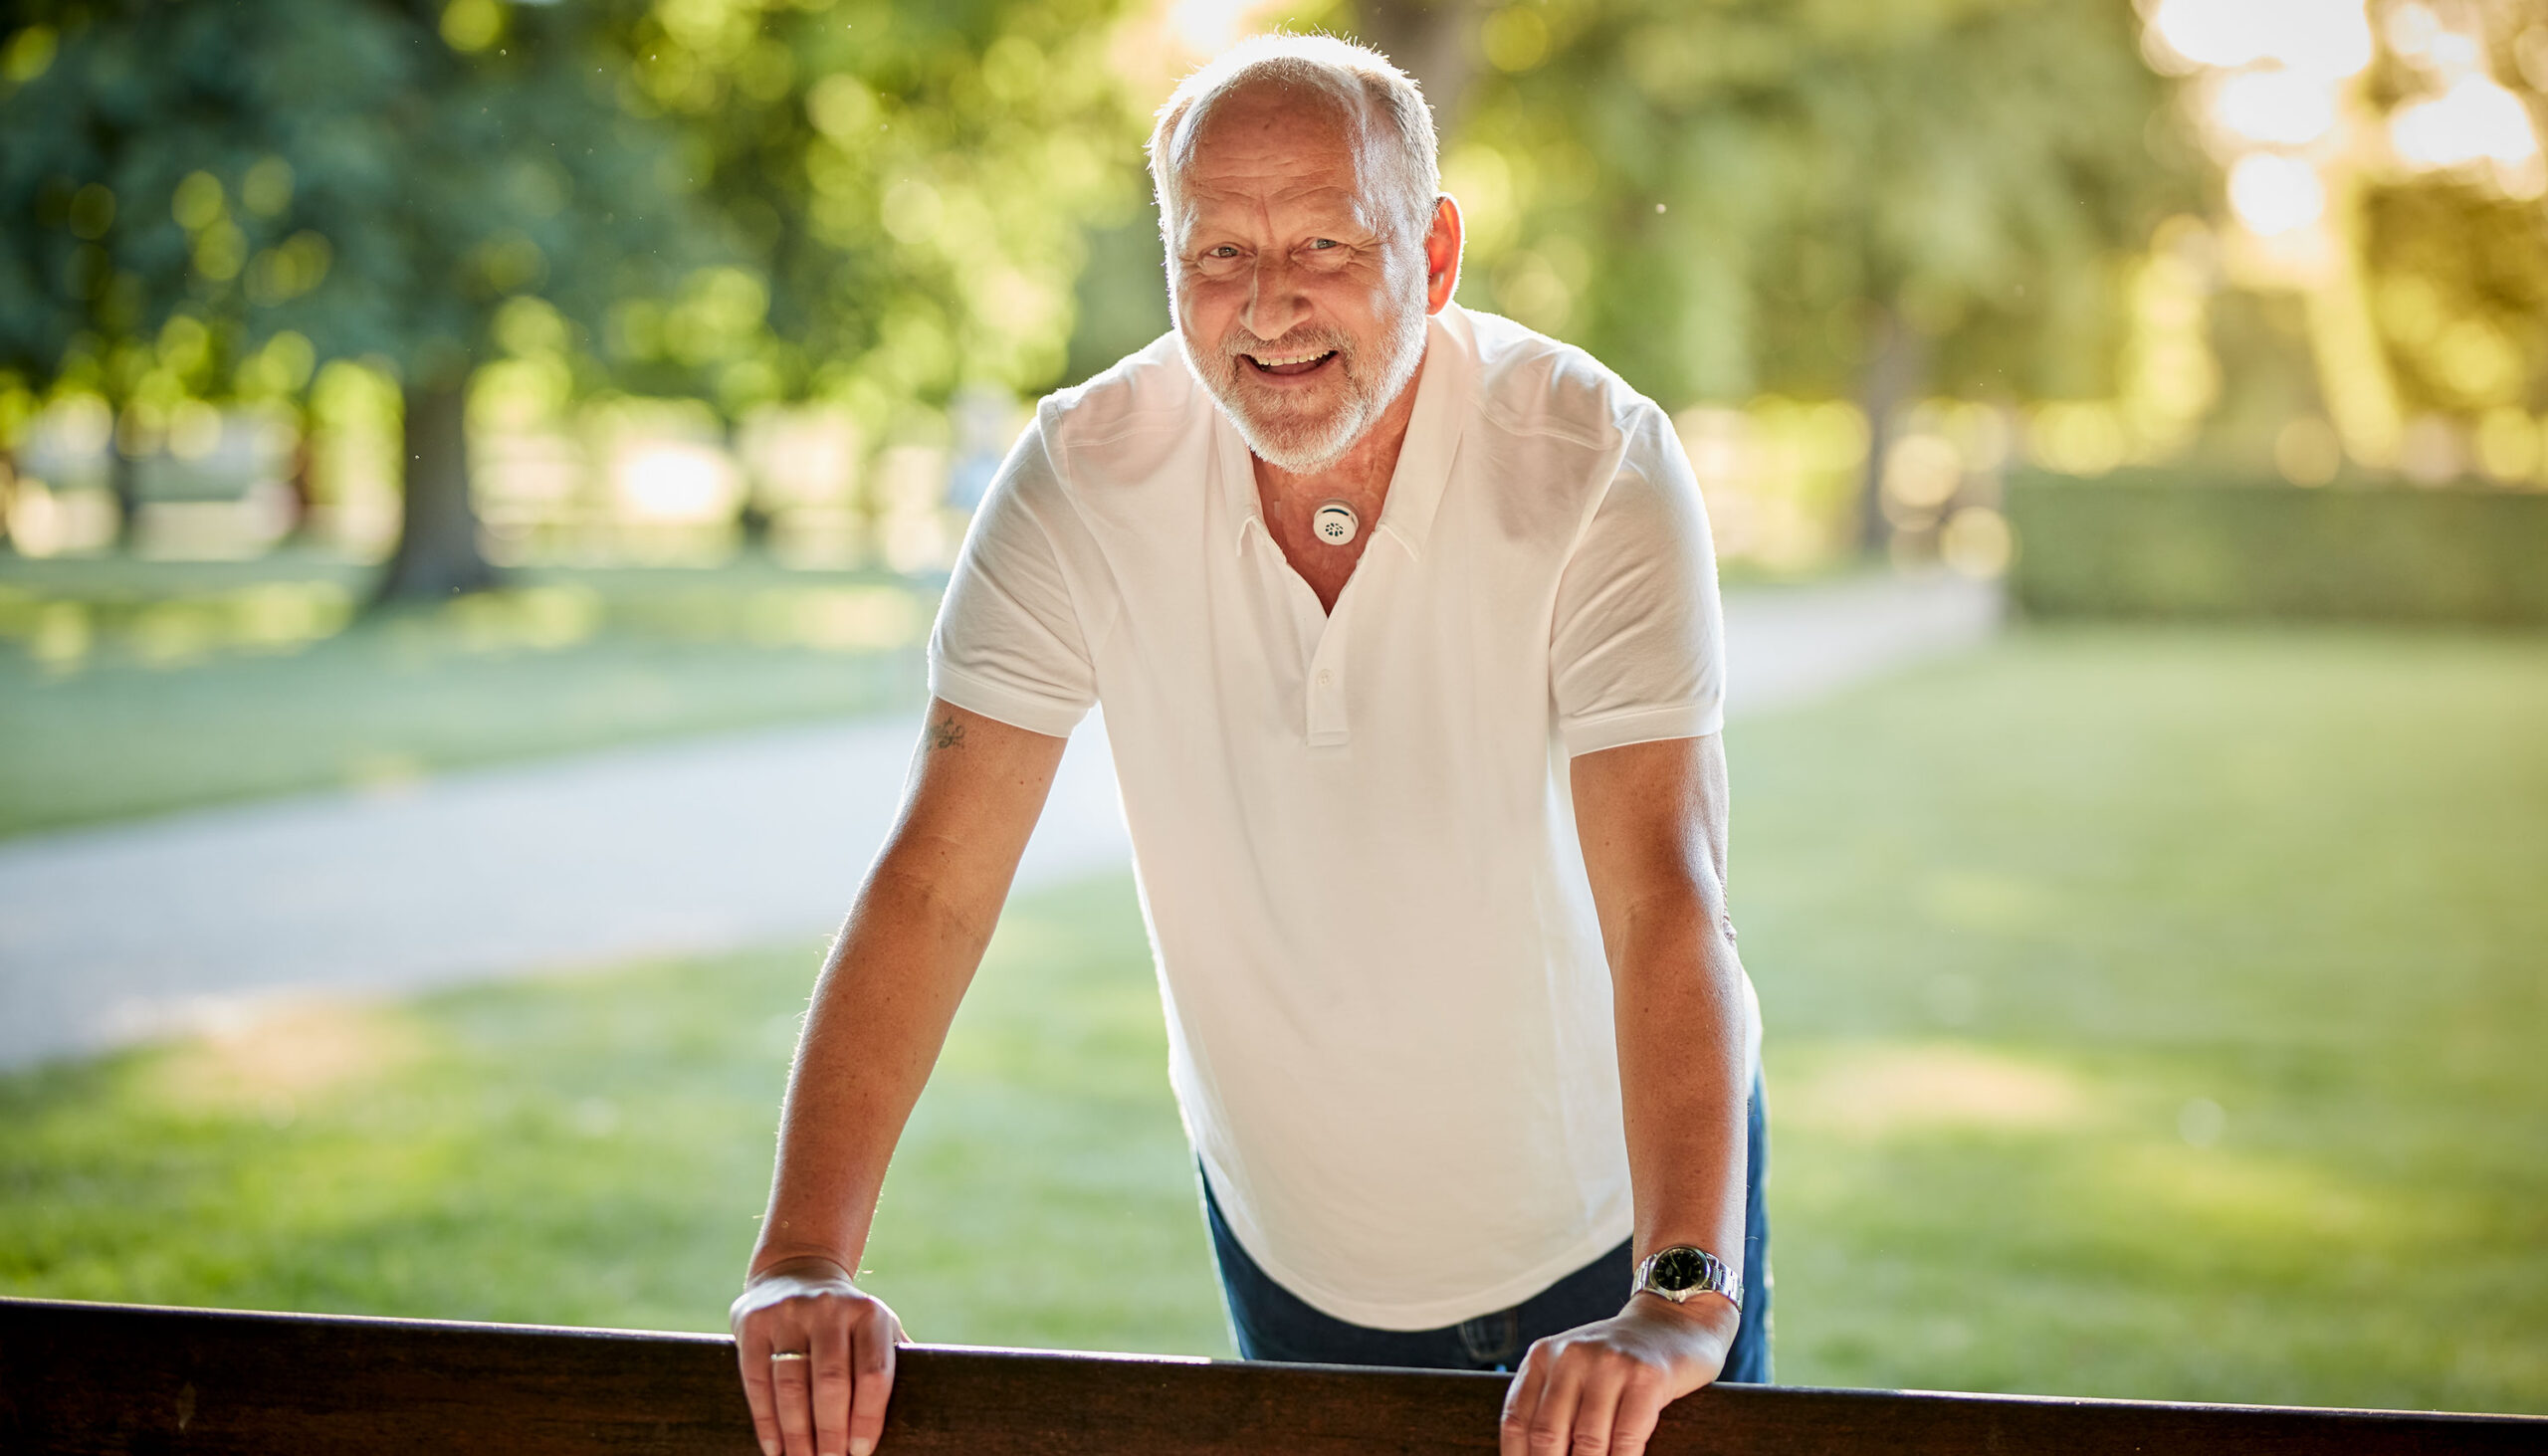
x: 1289, y: 365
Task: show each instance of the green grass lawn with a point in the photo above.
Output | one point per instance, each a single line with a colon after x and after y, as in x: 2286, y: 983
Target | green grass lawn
x: 595, y: 1150
x: 134, y: 689
x: 2160, y: 1014
x: 2152, y: 1013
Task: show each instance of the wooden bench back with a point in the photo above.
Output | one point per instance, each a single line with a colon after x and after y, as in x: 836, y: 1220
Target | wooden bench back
x: 81, y: 1377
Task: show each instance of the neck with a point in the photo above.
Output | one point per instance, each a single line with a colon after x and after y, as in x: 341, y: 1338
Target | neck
x: 1361, y: 475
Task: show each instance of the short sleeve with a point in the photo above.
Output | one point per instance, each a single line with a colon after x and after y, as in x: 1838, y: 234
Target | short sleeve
x: 1009, y: 643
x: 1637, y: 650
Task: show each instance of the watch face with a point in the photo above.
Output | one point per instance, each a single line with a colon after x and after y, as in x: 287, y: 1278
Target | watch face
x: 1681, y: 1269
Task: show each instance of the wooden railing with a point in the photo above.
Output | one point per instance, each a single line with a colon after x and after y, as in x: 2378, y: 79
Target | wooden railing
x: 83, y: 1377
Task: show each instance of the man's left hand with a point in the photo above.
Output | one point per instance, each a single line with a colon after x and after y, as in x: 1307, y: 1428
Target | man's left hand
x: 1597, y: 1390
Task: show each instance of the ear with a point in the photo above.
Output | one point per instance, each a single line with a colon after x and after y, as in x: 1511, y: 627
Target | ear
x: 1443, y: 255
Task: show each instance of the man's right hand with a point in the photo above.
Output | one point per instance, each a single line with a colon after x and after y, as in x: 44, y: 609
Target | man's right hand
x: 831, y: 1401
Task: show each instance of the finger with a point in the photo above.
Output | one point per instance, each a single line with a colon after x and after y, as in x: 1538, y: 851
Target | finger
x: 752, y: 1351
x: 1597, y: 1400
x: 872, y: 1366
x: 1520, y: 1402
x: 1552, y: 1425
x: 790, y: 1387
x: 832, y: 1383
x: 1640, y: 1409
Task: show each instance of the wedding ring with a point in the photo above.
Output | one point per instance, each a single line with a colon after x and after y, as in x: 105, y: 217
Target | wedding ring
x: 777, y: 1356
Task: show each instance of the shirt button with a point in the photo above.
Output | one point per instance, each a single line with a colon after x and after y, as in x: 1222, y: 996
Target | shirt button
x: 1326, y: 677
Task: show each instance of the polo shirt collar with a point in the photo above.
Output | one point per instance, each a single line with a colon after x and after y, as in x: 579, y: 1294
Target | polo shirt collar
x: 1423, y: 462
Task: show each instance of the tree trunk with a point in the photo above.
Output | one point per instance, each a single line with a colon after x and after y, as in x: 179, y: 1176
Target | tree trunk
x: 438, y: 555
x: 123, y: 482
x: 1434, y: 40
x: 751, y: 522
x: 1897, y: 358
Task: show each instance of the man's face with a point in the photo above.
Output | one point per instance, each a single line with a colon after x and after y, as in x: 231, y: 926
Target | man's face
x: 1301, y: 304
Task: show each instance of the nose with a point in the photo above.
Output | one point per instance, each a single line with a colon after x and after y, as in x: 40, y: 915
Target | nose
x: 1275, y: 303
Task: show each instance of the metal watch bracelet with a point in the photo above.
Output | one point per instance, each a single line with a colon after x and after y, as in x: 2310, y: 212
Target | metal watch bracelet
x: 1683, y: 1271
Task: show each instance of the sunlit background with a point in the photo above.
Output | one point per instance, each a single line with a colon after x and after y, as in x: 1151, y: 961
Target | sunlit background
x: 1874, y: 261
x: 390, y: 387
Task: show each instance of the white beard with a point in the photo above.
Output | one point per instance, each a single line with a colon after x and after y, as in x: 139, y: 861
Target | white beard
x: 1302, y: 441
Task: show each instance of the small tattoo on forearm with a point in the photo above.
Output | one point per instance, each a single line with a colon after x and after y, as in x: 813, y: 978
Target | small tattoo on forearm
x: 946, y: 732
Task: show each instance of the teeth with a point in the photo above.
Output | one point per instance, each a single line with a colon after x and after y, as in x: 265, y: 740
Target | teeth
x: 1275, y: 363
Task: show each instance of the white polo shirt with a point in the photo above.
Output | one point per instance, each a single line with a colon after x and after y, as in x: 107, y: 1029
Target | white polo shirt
x: 1388, y: 1012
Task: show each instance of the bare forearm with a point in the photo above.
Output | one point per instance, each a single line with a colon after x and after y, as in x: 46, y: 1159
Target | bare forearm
x: 1683, y: 1031
x: 895, y: 976
x: 1677, y: 989
x: 1652, y: 817
x: 880, y: 1014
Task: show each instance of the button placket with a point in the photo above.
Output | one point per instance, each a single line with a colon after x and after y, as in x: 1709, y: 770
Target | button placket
x: 1328, y: 724
x: 1312, y: 633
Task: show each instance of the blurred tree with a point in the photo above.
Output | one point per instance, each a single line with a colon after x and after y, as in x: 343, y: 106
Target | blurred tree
x: 911, y: 182
x: 761, y: 200
x: 2456, y: 249
x: 1869, y: 198
x: 190, y: 186
x: 746, y: 200
x: 1434, y: 40
x: 2461, y: 289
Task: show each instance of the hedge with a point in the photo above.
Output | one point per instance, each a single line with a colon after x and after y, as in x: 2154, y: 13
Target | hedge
x: 2144, y: 545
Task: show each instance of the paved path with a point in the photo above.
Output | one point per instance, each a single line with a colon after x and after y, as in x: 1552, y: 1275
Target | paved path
x: 127, y: 931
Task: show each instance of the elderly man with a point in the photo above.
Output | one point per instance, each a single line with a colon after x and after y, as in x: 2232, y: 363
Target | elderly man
x: 1405, y: 624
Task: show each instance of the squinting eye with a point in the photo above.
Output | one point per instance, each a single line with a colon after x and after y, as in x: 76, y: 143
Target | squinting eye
x: 1223, y: 251
x: 1323, y: 242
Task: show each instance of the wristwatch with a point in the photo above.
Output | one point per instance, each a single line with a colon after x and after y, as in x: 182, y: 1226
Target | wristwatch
x: 1683, y: 1270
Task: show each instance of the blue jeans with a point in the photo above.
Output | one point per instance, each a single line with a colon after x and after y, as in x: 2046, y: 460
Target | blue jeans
x: 1272, y: 1322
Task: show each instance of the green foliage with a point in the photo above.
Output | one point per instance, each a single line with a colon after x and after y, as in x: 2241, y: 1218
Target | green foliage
x: 2460, y: 286
x: 2155, y: 543
x: 1745, y: 196
x: 2456, y: 262
x: 768, y: 199
x: 909, y: 180
x: 2136, y: 1000
x: 1123, y: 295
x: 741, y: 200
x: 200, y: 197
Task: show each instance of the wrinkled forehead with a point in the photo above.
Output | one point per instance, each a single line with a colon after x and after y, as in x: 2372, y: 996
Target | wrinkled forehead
x: 1272, y: 142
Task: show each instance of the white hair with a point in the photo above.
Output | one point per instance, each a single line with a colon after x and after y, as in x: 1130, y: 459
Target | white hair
x: 1392, y: 125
